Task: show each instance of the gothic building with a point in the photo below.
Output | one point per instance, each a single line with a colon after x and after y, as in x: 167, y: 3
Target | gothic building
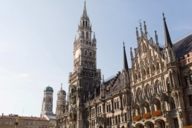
x: 155, y: 92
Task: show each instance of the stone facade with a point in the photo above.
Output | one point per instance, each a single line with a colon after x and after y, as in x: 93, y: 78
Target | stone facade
x: 15, y: 121
x: 155, y: 92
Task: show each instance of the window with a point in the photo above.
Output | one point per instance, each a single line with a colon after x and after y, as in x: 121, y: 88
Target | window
x: 90, y: 53
x: 176, y: 124
x: 190, y: 78
x: 186, y: 81
x: 190, y: 100
x: 108, y: 107
x: 87, y: 36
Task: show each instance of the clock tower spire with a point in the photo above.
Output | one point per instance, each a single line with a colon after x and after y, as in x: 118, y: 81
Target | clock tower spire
x: 84, y: 81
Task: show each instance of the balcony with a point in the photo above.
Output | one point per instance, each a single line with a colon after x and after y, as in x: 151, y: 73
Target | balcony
x: 157, y: 113
x: 137, y: 118
x: 146, y: 115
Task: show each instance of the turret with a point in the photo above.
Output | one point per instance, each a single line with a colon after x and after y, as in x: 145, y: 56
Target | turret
x: 47, y: 105
x: 169, y: 53
x: 61, y: 102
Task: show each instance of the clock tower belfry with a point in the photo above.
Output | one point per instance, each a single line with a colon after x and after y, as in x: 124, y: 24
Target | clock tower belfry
x: 84, y: 81
x: 85, y: 44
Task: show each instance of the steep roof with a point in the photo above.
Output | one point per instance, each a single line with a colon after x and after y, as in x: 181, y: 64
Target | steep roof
x: 183, y: 46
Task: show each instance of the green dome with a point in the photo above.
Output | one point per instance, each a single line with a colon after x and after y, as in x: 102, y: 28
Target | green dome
x: 49, y: 89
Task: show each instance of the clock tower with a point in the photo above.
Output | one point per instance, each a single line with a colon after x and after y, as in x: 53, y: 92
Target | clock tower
x: 84, y: 81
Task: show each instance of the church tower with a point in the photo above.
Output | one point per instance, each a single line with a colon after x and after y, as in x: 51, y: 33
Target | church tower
x: 47, y: 105
x: 84, y: 81
x: 61, y: 103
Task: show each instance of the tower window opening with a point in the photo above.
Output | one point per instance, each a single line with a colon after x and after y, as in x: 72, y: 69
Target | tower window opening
x: 190, y: 100
x: 87, y: 35
x: 86, y: 23
x: 190, y: 78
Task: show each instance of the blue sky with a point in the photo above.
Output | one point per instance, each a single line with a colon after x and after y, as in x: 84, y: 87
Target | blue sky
x: 36, y: 41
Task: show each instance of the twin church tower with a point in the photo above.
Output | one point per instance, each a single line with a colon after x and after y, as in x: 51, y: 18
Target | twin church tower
x: 154, y: 93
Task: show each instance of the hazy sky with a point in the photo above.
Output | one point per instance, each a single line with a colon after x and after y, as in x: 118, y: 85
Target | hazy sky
x: 36, y: 41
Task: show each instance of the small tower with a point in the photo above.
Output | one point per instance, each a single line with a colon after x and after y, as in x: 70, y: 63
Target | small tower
x: 61, y: 102
x: 125, y: 63
x: 169, y: 53
x: 47, y: 105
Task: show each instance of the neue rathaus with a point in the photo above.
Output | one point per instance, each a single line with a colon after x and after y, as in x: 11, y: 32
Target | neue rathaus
x: 155, y: 92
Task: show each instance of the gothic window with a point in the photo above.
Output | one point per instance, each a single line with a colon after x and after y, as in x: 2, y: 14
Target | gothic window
x: 90, y: 53
x: 153, y: 68
x: 190, y: 78
x: 139, y: 76
x: 119, y: 119
x: 147, y: 109
x: 139, y: 95
x: 125, y: 116
x: 108, y: 106
x: 168, y: 85
x: 176, y: 124
x: 186, y: 81
x: 157, y: 104
x: 147, y: 91
x: 87, y: 36
x: 147, y: 71
x: 190, y: 100
x: 124, y: 101
x: 137, y: 111
x: 86, y: 23
x: 172, y: 104
x: 85, y: 52
x: 144, y: 48
x: 157, y: 87
x: 144, y: 73
x: 82, y: 34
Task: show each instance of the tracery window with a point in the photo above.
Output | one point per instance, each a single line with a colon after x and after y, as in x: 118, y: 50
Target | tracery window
x: 190, y: 78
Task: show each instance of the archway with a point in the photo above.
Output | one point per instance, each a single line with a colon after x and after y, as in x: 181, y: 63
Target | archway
x: 149, y: 125
x: 139, y: 126
x: 160, y: 124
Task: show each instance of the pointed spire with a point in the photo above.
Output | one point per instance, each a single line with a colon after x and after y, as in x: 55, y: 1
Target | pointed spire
x: 137, y: 33
x: 125, y: 58
x: 156, y: 38
x: 61, y: 86
x: 103, y: 79
x: 94, y: 36
x: 168, y: 42
x: 131, y: 53
x: 145, y: 28
x: 85, y: 10
x: 141, y: 29
x: 135, y: 51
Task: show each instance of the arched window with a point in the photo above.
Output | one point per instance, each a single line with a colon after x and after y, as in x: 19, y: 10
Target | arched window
x: 172, y: 104
x: 139, y: 95
x: 87, y: 35
x: 82, y: 34
x: 168, y: 85
x: 147, y: 70
x: 157, y: 104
